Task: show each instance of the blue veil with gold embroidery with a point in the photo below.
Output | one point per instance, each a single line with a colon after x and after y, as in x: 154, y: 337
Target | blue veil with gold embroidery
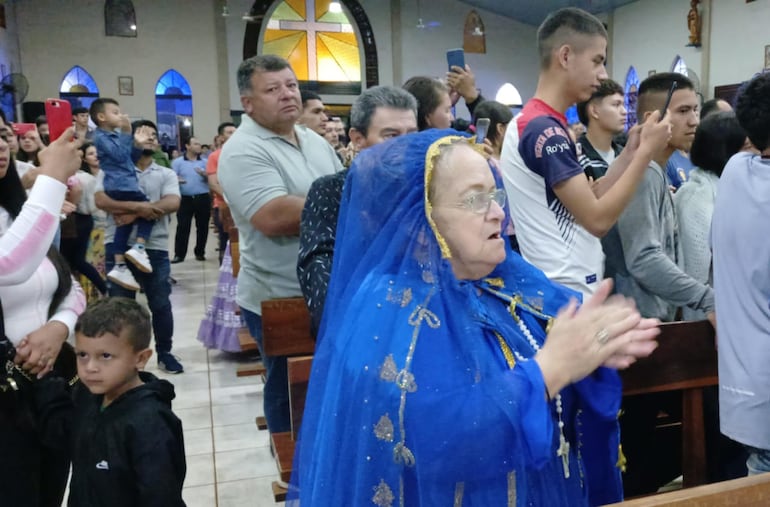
x: 412, y: 399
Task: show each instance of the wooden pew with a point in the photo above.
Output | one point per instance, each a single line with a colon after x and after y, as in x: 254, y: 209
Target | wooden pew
x: 745, y: 492
x: 685, y: 360
x: 286, y: 332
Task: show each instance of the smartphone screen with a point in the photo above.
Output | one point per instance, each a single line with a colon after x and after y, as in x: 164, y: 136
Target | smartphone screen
x: 455, y: 57
x: 482, y: 126
x: 59, y: 115
x: 668, y: 100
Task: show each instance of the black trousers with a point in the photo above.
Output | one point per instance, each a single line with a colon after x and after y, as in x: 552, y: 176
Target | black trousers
x: 198, y: 206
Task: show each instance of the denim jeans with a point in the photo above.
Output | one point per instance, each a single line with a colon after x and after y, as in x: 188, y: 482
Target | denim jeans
x: 156, y: 287
x: 276, y: 392
x: 759, y: 460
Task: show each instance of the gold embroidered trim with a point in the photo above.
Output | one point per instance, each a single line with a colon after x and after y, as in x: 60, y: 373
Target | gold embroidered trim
x: 459, y: 492
x: 384, y: 429
x: 430, y: 163
x: 512, y: 489
x: 383, y: 495
x: 495, y: 282
x: 509, y: 358
x: 399, y: 297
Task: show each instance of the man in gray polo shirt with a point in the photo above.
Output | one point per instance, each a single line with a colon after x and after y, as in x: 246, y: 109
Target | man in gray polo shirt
x: 265, y: 170
x: 161, y: 187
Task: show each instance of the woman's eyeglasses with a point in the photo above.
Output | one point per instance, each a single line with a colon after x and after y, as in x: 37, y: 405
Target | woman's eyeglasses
x: 480, y: 202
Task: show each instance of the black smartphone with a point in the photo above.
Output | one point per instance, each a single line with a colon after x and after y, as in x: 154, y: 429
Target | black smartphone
x: 482, y: 126
x: 668, y: 100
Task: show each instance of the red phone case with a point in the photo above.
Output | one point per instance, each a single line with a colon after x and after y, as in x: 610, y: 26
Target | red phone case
x: 22, y: 128
x: 59, y: 115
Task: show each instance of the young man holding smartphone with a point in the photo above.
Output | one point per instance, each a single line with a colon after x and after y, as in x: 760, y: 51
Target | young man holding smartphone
x: 559, y: 215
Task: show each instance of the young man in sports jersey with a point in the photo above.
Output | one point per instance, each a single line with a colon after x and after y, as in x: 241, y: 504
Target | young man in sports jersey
x: 559, y: 215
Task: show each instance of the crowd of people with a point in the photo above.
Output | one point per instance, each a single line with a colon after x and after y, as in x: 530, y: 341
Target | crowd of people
x: 471, y: 299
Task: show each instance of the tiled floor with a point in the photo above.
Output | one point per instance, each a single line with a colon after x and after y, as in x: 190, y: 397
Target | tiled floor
x: 228, y: 459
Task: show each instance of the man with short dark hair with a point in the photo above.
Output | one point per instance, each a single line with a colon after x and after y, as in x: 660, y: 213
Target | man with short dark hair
x: 266, y: 169
x: 559, y: 216
x: 378, y: 114
x: 313, y: 112
x: 643, y: 255
x: 604, y: 116
x: 161, y: 187
x: 643, y: 250
x: 714, y: 106
x: 196, y: 202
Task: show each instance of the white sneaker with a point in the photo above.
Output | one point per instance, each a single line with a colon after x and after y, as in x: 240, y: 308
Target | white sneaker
x: 122, y: 276
x: 139, y: 258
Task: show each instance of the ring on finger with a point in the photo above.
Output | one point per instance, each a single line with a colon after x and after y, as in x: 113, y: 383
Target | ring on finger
x: 602, y: 336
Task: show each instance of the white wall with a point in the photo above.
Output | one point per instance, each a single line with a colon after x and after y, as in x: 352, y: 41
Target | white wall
x: 738, y: 38
x: 511, y: 47
x: 649, y: 34
x: 177, y: 34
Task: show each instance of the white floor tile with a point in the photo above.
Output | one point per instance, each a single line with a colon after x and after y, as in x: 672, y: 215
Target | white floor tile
x: 239, y: 436
x: 198, y: 442
x: 200, y: 496
x: 200, y: 470
x: 247, y: 493
x: 245, y: 464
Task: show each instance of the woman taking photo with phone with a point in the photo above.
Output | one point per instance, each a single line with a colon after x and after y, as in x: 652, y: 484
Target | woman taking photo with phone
x: 40, y: 304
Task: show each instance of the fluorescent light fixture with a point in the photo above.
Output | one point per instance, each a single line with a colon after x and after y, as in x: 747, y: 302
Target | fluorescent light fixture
x: 335, y: 7
x: 508, y: 95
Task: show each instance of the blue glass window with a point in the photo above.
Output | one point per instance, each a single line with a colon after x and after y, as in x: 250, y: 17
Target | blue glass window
x: 78, y: 87
x: 173, y: 104
x: 632, y: 95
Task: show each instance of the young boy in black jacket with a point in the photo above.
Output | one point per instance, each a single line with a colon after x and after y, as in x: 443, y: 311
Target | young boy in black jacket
x: 128, y: 444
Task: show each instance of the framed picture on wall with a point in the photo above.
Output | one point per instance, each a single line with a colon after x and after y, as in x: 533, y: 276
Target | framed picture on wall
x: 125, y: 85
x: 767, y: 57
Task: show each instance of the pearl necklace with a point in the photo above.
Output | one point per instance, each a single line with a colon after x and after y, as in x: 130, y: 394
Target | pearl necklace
x: 563, y: 450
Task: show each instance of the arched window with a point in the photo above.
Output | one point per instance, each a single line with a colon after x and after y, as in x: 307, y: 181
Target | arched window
x: 173, y: 103
x: 78, y: 87
x: 119, y: 18
x: 679, y: 66
x: 325, y: 41
x: 632, y: 94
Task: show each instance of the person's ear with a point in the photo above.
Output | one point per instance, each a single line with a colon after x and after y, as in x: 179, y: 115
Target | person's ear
x: 592, y: 110
x: 357, y: 138
x: 646, y: 115
x: 142, y: 357
x: 247, y: 105
x: 563, y: 54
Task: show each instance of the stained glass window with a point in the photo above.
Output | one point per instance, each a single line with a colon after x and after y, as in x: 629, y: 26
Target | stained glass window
x: 78, y: 87
x: 317, y: 38
x: 679, y: 66
x: 173, y: 103
x: 632, y: 94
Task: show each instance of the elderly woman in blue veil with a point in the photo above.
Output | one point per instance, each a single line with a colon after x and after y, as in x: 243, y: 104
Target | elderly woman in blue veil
x: 448, y: 370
